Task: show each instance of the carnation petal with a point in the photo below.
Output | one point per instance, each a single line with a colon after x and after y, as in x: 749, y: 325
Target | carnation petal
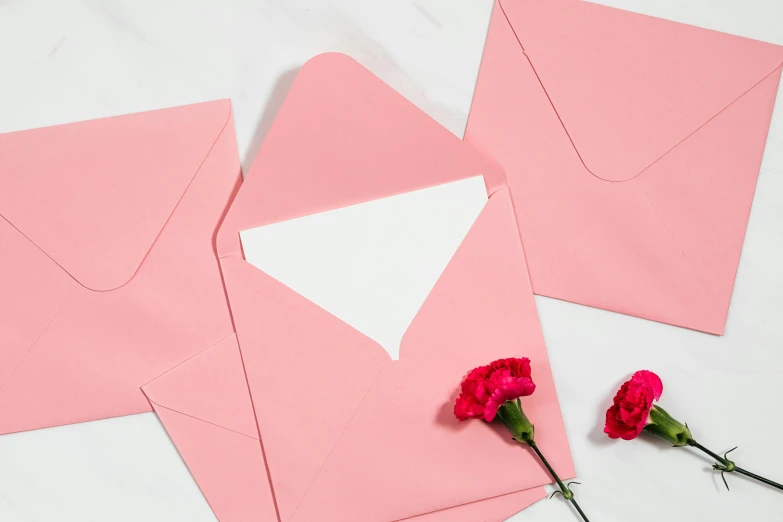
x: 630, y: 411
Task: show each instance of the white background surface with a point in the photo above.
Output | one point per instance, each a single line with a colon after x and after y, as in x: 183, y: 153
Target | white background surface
x: 68, y: 60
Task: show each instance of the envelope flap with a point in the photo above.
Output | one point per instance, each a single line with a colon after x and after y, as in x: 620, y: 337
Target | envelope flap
x: 307, y: 370
x: 211, y: 387
x: 481, y: 309
x: 344, y: 137
x: 228, y: 467
x: 482, y: 305
x: 628, y: 88
x: 95, y: 195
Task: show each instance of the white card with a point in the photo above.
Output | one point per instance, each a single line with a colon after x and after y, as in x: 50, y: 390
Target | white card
x: 372, y: 264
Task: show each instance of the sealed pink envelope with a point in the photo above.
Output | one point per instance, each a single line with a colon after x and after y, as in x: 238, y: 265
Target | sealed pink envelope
x: 350, y: 434
x: 109, y: 274
x: 631, y: 146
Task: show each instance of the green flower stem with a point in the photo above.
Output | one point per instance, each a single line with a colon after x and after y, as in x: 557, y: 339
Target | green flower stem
x: 567, y: 493
x: 671, y: 430
x: 727, y: 466
x: 759, y: 478
x: 522, y: 430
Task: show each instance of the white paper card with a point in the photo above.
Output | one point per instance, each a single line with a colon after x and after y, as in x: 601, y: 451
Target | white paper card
x: 372, y: 264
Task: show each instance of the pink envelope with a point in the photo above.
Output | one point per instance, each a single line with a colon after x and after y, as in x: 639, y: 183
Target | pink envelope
x: 631, y: 146
x: 111, y: 279
x: 204, y: 404
x: 109, y: 274
x: 348, y: 434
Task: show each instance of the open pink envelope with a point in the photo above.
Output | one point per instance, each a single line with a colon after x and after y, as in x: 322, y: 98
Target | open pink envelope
x: 348, y: 434
x: 108, y: 270
x: 631, y: 146
x: 205, y: 406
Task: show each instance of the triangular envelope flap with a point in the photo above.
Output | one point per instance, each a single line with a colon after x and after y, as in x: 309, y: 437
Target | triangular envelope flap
x: 627, y: 87
x: 227, y: 466
x: 95, y: 195
x: 343, y: 137
x: 707, y: 210
x: 372, y: 264
x: 481, y: 309
x: 210, y: 386
x: 482, y: 306
x: 308, y: 371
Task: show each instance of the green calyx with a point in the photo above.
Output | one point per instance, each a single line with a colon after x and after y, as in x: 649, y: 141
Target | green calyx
x: 511, y: 414
x: 668, y: 428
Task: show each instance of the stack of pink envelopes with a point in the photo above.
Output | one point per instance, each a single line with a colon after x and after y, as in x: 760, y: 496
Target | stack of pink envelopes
x: 619, y: 156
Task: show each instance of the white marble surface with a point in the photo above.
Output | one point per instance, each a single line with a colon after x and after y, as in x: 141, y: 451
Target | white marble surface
x: 69, y: 60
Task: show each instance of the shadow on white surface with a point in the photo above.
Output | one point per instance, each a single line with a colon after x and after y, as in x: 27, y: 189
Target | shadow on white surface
x: 276, y: 99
